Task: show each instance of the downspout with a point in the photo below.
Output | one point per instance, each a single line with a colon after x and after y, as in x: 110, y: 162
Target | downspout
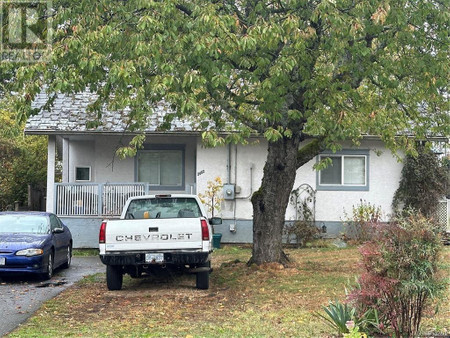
x: 233, y: 226
x: 229, y: 165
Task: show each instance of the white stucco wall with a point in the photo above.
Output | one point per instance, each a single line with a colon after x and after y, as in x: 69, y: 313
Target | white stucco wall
x: 245, y: 171
x: 384, y: 176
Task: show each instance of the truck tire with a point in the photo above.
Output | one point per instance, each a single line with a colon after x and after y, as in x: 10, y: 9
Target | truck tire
x: 202, y: 282
x: 114, y: 277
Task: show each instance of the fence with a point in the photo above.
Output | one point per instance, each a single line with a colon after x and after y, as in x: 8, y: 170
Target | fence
x: 92, y: 199
x: 443, y: 213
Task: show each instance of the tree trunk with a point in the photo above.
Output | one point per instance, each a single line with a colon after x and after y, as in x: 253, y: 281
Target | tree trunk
x: 271, y: 200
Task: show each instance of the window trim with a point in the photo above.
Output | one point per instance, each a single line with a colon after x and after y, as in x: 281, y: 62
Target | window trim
x: 163, y: 147
x: 343, y: 187
x: 83, y: 167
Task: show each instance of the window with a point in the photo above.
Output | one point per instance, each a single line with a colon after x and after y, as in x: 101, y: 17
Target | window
x: 348, y: 171
x: 162, y: 168
x: 83, y: 173
x: 166, y: 207
x: 55, y: 223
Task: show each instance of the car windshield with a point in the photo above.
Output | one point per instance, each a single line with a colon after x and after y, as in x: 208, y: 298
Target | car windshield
x: 33, y: 224
x: 173, y: 207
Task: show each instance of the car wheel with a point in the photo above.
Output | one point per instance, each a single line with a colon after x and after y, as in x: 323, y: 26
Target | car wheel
x: 49, y: 272
x: 114, y: 277
x: 66, y: 265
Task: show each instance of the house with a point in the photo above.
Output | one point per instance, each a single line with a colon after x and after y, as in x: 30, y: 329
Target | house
x: 95, y: 183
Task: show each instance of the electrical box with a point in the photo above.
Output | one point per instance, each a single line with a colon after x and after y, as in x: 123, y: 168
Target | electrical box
x: 229, y: 191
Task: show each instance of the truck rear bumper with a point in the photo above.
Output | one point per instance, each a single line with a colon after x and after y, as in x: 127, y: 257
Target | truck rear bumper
x: 176, y: 258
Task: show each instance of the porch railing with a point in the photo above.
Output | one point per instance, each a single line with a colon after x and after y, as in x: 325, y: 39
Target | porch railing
x: 94, y: 199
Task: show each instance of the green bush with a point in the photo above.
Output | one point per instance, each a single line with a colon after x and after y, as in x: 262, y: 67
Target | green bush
x: 423, y: 183
x: 301, y: 232
x: 343, y: 318
x: 337, y: 315
x: 357, y: 226
x: 400, y: 273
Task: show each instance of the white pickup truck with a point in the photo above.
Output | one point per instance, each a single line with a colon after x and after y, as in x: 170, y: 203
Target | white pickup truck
x: 158, y: 232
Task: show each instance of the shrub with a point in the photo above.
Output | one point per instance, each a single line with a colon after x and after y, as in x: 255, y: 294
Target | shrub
x: 302, y: 230
x: 357, y: 226
x: 399, y: 272
x: 343, y: 318
x: 423, y: 182
x: 337, y: 316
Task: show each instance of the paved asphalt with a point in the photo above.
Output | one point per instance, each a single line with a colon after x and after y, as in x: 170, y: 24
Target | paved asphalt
x: 21, y: 297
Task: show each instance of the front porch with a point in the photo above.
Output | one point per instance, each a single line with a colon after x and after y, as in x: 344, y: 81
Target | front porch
x: 99, y: 199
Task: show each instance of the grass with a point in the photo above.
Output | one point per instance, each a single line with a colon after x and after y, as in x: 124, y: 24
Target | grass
x: 268, y: 301
x: 84, y: 252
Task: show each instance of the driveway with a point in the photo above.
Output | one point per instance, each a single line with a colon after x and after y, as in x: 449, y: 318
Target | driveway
x: 21, y: 297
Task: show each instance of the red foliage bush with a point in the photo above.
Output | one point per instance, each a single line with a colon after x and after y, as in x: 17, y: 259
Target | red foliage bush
x: 399, y: 278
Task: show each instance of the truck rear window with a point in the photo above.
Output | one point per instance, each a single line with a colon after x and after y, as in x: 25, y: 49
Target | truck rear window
x: 173, y: 207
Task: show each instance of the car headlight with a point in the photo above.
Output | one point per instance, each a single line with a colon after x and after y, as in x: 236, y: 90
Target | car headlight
x: 30, y: 252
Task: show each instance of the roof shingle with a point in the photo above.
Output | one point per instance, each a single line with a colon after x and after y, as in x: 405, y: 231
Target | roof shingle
x: 69, y: 115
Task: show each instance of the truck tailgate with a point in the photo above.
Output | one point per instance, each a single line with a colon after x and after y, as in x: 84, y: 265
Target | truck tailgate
x: 157, y: 234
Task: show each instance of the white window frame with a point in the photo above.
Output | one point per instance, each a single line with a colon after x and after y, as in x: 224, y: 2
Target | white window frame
x: 83, y: 167
x: 162, y: 149
x: 343, y: 186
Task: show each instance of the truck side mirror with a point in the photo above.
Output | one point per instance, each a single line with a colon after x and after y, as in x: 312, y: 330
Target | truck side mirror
x: 215, y: 221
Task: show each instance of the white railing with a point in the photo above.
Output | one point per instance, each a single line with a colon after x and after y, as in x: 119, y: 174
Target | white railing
x: 115, y: 196
x: 98, y: 199
x: 77, y: 199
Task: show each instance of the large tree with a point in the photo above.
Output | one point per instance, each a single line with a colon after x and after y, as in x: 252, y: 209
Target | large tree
x: 23, y: 161
x: 294, y: 71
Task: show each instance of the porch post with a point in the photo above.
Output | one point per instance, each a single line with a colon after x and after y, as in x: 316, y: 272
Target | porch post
x: 51, y: 155
x: 65, y: 160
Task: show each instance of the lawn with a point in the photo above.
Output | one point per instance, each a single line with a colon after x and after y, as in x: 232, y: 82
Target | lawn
x: 266, y: 301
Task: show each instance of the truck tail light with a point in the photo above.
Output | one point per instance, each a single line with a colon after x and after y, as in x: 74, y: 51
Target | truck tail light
x: 205, y: 230
x: 102, y: 234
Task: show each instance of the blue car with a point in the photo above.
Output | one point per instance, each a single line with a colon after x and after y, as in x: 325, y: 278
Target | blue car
x: 33, y: 242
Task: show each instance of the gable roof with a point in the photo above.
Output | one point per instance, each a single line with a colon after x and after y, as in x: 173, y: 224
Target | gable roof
x: 69, y: 115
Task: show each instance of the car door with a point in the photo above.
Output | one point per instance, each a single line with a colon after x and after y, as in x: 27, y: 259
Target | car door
x: 58, y: 239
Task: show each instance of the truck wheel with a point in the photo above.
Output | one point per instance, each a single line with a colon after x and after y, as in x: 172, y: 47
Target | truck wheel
x: 202, y: 280
x: 114, y: 277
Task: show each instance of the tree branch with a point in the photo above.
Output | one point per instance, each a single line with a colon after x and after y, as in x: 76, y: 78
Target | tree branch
x: 309, y: 151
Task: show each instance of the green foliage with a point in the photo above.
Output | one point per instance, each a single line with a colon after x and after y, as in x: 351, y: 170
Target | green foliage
x: 302, y: 68
x: 345, y: 319
x: 423, y: 182
x: 400, y: 273
x: 23, y: 162
x: 357, y: 226
x: 337, y: 316
x: 354, y: 332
